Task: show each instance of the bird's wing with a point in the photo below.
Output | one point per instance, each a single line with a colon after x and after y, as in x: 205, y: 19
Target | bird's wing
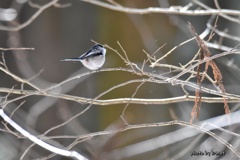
x: 91, y: 53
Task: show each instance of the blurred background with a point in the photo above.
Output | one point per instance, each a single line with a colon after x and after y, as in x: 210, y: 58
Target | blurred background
x: 68, y: 30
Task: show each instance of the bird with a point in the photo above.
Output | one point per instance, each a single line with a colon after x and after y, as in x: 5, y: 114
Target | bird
x: 93, y: 59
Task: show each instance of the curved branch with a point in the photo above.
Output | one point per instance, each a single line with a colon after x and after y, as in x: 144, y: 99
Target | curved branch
x: 41, y: 143
x: 30, y: 20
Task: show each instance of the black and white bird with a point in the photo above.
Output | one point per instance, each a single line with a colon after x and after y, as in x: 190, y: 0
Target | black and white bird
x: 93, y: 59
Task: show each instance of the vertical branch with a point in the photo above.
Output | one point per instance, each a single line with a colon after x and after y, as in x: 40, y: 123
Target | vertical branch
x: 205, y: 53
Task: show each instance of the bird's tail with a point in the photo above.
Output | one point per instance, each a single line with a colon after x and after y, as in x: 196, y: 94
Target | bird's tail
x: 72, y: 59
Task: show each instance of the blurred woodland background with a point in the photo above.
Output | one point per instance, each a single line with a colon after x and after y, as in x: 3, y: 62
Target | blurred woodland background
x: 68, y: 28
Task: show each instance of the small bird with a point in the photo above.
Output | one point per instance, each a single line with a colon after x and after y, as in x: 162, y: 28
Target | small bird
x: 93, y: 59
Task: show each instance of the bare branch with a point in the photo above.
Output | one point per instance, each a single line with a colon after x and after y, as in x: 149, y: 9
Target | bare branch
x: 31, y: 137
x: 172, y: 10
x: 30, y: 20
